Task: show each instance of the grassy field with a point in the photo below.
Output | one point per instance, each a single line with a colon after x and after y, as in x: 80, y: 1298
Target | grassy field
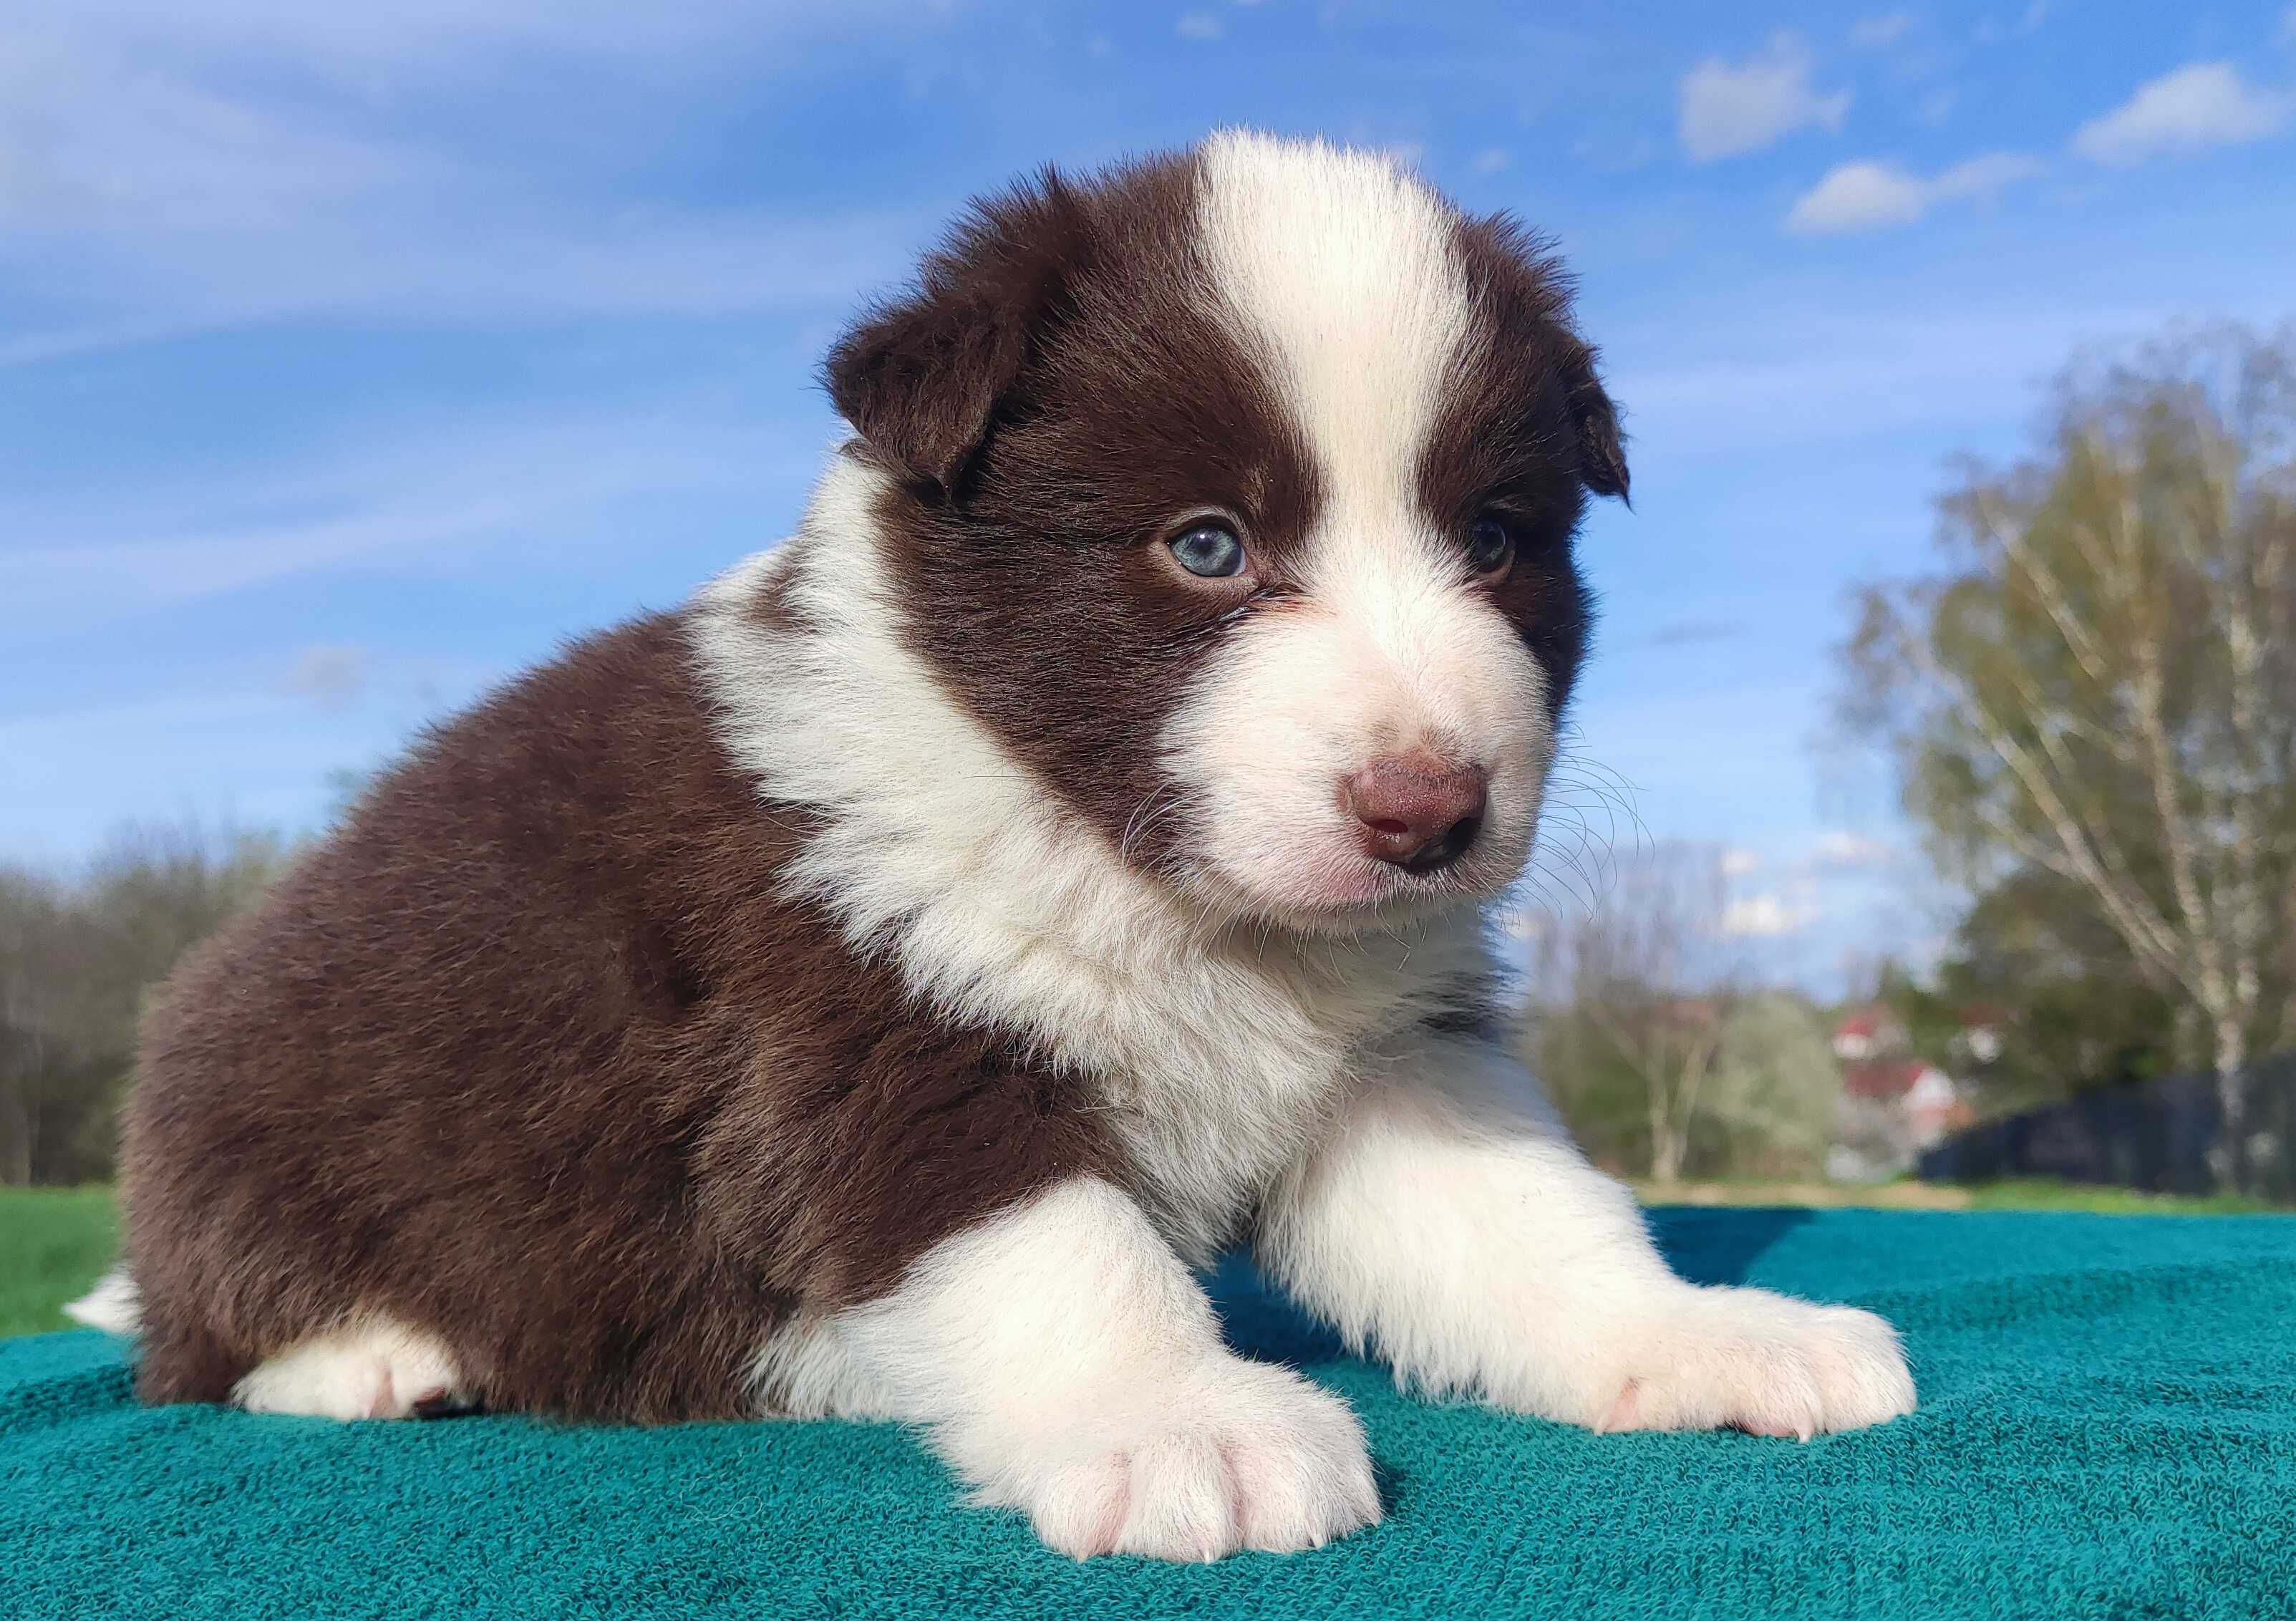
x: 56, y: 1241
x: 53, y: 1243
x: 2027, y: 1194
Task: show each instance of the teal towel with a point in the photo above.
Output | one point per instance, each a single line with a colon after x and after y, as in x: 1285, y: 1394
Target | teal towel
x: 2107, y: 1428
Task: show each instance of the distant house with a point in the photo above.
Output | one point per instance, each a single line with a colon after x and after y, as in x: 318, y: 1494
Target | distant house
x: 1894, y: 1104
x: 1865, y: 1033
x: 1927, y: 1100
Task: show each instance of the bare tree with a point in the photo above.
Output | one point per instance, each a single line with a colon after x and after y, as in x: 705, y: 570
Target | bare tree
x: 1642, y: 982
x: 2100, y: 683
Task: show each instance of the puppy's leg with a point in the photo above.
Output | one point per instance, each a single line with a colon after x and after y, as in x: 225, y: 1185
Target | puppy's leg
x: 1067, y: 1366
x: 1447, y: 1221
x: 371, y: 1369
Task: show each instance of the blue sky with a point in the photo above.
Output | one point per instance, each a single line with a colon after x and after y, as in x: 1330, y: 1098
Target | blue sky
x: 352, y: 358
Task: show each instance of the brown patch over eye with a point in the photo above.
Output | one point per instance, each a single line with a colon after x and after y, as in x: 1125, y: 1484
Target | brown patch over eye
x: 1074, y: 589
x: 1506, y: 466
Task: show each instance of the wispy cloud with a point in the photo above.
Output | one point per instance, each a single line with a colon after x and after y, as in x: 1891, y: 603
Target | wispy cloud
x: 1729, y: 109
x: 1687, y: 632
x: 329, y: 674
x: 1201, y: 27
x: 1875, y: 33
x: 382, y: 50
x: 1869, y: 196
x: 1839, y: 850
x: 431, y: 499
x: 2200, y: 105
x: 175, y: 169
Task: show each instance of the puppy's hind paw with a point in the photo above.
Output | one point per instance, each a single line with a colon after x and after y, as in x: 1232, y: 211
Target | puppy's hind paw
x: 375, y: 1369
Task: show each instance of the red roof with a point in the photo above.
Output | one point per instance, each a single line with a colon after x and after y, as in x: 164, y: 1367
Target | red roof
x: 1883, y: 1077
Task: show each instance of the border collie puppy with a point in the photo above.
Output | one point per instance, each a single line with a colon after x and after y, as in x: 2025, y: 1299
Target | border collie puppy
x: 873, y: 988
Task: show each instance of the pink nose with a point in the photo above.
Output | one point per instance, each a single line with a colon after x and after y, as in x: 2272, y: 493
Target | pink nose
x: 1418, y: 813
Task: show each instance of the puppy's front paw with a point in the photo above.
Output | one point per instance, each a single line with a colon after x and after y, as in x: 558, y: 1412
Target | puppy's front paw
x: 1234, y: 1454
x: 1751, y: 1359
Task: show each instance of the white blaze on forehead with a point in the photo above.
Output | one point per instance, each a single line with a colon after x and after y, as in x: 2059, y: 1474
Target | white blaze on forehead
x: 1338, y: 266
x: 1336, y: 272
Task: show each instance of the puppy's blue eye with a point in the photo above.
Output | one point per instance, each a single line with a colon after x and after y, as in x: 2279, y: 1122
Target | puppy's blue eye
x: 1490, y: 544
x: 1211, y: 550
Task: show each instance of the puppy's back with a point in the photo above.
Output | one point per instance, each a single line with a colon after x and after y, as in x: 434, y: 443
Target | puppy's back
x: 461, y: 1055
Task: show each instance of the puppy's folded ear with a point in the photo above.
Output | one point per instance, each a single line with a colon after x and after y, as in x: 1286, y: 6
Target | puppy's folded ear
x: 922, y: 377
x: 1602, y: 452
x: 1514, y: 271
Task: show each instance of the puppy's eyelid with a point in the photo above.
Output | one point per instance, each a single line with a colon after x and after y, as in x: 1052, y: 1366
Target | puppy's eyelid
x: 1196, y: 517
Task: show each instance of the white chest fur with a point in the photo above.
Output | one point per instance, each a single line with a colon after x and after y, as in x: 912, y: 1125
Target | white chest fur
x: 1215, y: 1051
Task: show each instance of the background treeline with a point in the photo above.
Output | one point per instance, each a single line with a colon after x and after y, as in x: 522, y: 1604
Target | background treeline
x: 79, y: 954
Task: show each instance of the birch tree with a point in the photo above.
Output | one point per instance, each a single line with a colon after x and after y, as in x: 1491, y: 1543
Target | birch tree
x: 2099, y: 681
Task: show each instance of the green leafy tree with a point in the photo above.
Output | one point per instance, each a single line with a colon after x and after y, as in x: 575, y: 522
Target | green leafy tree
x: 1775, y: 1087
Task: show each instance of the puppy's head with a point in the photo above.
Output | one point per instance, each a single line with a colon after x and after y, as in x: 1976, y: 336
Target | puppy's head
x: 1235, y: 492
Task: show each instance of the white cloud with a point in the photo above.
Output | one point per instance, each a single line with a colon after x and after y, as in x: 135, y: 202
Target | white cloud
x: 1873, y: 33
x: 1843, y: 848
x: 1858, y: 197
x: 1728, y: 110
x: 2200, y: 105
x: 1738, y: 864
x: 1491, y: 160
x: 1871, y: 196
x: 1200, y: 25
x: 1766, y: 916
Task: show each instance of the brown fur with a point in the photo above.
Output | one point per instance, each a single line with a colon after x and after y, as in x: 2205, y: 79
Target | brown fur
x: 529, y: 1055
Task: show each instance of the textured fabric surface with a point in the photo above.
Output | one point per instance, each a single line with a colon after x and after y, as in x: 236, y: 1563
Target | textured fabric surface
x: 2107, y: 1428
